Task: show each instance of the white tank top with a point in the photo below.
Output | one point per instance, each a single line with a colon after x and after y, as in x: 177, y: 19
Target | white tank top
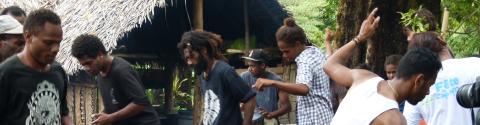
x: 362, y: 104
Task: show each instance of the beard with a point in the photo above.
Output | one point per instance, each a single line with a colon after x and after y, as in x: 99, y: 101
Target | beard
x: 201, y: 65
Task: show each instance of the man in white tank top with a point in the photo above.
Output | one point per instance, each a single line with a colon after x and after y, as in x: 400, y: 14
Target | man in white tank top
x: 372, y: 100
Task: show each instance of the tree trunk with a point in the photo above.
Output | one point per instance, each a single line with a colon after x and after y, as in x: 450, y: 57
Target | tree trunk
x: 349, y: 18
x: 388, y: 39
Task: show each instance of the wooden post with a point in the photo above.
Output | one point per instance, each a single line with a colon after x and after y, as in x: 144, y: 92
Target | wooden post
x: 445, y: 22
x: 198, y: 99
x: 247, y: 29
x: 198, y: 15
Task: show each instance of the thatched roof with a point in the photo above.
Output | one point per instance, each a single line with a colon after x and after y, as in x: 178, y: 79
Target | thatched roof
x: 108, y: 19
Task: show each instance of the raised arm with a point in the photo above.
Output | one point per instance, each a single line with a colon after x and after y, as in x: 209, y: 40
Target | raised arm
x: 335, y: 68
x: 328, y: 42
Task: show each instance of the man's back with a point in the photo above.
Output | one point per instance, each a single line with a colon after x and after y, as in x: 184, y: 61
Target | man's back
x: 222, y: 91
x: 363, y: 104
x: 440, y: 107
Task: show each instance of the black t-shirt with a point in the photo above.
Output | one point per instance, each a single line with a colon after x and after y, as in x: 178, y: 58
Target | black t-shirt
x: 222, y: 92
x: 30, y: 97
x: 122, y: 86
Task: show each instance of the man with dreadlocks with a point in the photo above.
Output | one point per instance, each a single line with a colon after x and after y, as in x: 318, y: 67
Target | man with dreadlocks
x: 221, y: 87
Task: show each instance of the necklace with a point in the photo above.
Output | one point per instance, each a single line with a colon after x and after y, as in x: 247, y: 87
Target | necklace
x: 394, y: 91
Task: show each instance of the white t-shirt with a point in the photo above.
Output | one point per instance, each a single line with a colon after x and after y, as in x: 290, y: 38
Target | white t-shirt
x: 362, y: 104
x: 440, y: 107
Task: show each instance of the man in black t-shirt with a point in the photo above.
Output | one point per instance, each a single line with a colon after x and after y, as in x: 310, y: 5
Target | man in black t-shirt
x: 222, y: 89
x: 32, y: 86
x: 123, y: 95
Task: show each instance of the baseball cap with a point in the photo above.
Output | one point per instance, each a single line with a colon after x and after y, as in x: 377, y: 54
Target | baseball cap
x: 256, y: 55
x: 9, y: 25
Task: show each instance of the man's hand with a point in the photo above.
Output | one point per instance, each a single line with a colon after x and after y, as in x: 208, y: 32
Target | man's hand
x: 102, y: 119
x: 335, y: 68
x: 265, y: 113
x: 262, y: 83
x: 368, y: 26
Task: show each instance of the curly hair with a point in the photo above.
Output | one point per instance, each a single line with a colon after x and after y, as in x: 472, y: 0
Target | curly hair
x: 393, y: 59
x: 36, y: 20
x: 290, y: 32
x: 87, y: 45
x: 196, y: 40
x: 418, y: 60
x: 427, y: 18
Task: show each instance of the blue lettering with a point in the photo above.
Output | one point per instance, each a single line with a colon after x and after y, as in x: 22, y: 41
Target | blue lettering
x: 446, y: 88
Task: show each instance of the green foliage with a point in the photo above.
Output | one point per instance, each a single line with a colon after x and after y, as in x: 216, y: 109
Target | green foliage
x: 411, y: 20
x: 239, y: 44
x: 183, y: 91
x: 465, y: 45
x: 313, y: 16
x: 463, y: 34
x: 150, y: 95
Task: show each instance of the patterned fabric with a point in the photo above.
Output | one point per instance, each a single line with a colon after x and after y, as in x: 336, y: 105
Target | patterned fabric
x: 315, y: 108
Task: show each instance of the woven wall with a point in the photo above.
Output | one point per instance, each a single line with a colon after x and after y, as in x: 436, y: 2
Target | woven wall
x: 83, y: 101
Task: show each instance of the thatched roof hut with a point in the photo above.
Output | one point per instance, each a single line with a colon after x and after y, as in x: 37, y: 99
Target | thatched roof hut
x: 153, y: 27
x: 108, y: 19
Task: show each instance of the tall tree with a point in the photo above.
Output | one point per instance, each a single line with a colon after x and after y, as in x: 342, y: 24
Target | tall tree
x: 388, y: 39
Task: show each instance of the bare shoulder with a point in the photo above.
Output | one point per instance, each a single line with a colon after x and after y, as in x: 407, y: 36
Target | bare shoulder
x: 390, y: 117
x: 361, y: 75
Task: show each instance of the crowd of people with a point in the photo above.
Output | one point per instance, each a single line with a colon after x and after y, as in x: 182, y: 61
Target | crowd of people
x: 420, y: 86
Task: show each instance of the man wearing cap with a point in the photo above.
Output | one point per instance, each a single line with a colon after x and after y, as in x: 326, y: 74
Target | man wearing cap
x: 11, y: 37
x: 16, y: 12
x: 267, y: 99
